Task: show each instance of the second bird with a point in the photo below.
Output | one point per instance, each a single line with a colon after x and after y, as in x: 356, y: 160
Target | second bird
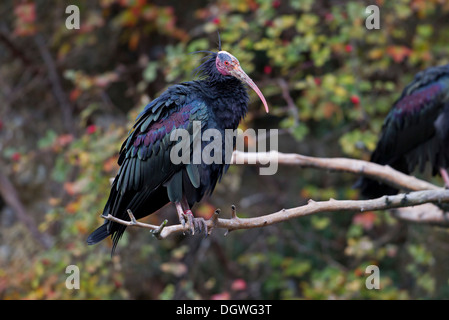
x: 415, y: 131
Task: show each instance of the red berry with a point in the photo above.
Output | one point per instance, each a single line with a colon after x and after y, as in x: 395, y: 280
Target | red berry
x: 355, y: 99
x: 15, y: 156
x: 216, y: 21
x: 317, y: 81
x: 267, y: 69
x: 269, y: 23
x: 91, y: 129
x: 348, y: 48
x: 276, y: 4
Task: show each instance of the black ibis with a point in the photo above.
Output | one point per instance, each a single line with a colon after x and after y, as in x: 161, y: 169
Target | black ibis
x: 147, y: 178
x: 415, y: 131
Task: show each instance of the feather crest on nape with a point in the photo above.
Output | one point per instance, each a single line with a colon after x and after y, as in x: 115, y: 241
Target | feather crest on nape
x: 207, y: 68
x: 204, y: 70
x: 219, y: 41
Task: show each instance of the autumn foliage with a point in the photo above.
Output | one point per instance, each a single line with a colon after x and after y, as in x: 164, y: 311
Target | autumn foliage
x: 68, y: 102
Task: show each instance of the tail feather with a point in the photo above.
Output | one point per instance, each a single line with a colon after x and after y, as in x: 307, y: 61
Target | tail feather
x: 99, y: 234
x: 141, y: 203
x: 370, y: 188
x: 373, y: 189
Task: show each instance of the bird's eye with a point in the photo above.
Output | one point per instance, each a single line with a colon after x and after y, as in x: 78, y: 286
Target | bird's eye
x: 226, y: 63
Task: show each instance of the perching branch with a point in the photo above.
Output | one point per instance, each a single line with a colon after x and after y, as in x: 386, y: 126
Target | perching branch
x: 423, y: 192
x: 312, y: 207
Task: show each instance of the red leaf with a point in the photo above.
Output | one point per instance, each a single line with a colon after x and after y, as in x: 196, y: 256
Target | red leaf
x: 366, y: 219
x: 25, y: 17
x: 74, y: 94
x: 221, y: 296
x: 205, y: 210
x: 238, y: 284
x: 398, y: 53
x: 26, y: 12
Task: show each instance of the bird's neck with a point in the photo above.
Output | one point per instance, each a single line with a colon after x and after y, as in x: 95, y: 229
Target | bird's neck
x: 230, y: 102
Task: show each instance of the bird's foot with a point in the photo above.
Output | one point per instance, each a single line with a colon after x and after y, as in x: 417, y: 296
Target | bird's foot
x: 195, y: 224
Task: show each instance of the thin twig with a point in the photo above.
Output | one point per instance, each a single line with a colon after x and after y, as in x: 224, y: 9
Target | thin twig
x: 291, y: 106
x: 10, y: 195
x: 56, y: 85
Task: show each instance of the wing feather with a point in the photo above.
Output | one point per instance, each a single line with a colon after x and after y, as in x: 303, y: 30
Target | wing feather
x: 147, y: 179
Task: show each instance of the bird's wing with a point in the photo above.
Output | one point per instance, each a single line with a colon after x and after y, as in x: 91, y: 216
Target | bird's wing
x: 145, y: 164
x: 145, y: 155
x: 144, y: 160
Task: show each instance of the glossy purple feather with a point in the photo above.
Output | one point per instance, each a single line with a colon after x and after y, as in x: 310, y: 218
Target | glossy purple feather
x: 159, y: 129
x: 416, y: 101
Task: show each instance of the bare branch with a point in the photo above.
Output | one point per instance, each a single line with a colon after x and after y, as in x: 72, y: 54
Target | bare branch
x: 375, y: 171
x: 425, y: 213
x: 291, y: 106
x: 312, y: 207
x: 56, y: 84
x: 11, y: 197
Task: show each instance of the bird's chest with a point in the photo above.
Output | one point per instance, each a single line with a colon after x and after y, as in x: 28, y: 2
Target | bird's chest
x: 228, y: 113
x: 228, y: 105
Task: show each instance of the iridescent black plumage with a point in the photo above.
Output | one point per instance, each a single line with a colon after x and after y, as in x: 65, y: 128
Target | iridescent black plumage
x: 148, y: 179
x: 415, y: 131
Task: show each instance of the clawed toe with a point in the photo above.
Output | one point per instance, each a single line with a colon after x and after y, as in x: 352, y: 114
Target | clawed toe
x: 200, y: 225
x: 196, y: 225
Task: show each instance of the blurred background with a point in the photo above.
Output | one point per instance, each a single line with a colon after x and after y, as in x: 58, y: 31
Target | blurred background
x: 69, y: 97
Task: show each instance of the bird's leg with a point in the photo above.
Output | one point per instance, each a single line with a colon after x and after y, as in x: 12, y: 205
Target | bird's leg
x: 184, y: 213
x: 180, y: 212
x: 445, y: 177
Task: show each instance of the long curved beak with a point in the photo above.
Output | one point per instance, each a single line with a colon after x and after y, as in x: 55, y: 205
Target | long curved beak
x: 240, y: 74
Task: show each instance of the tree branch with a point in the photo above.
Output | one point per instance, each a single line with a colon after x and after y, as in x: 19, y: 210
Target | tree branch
x: 425, y: 213
x: 312, y: 207
x: 423, y: 192
x: 372, y: 170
